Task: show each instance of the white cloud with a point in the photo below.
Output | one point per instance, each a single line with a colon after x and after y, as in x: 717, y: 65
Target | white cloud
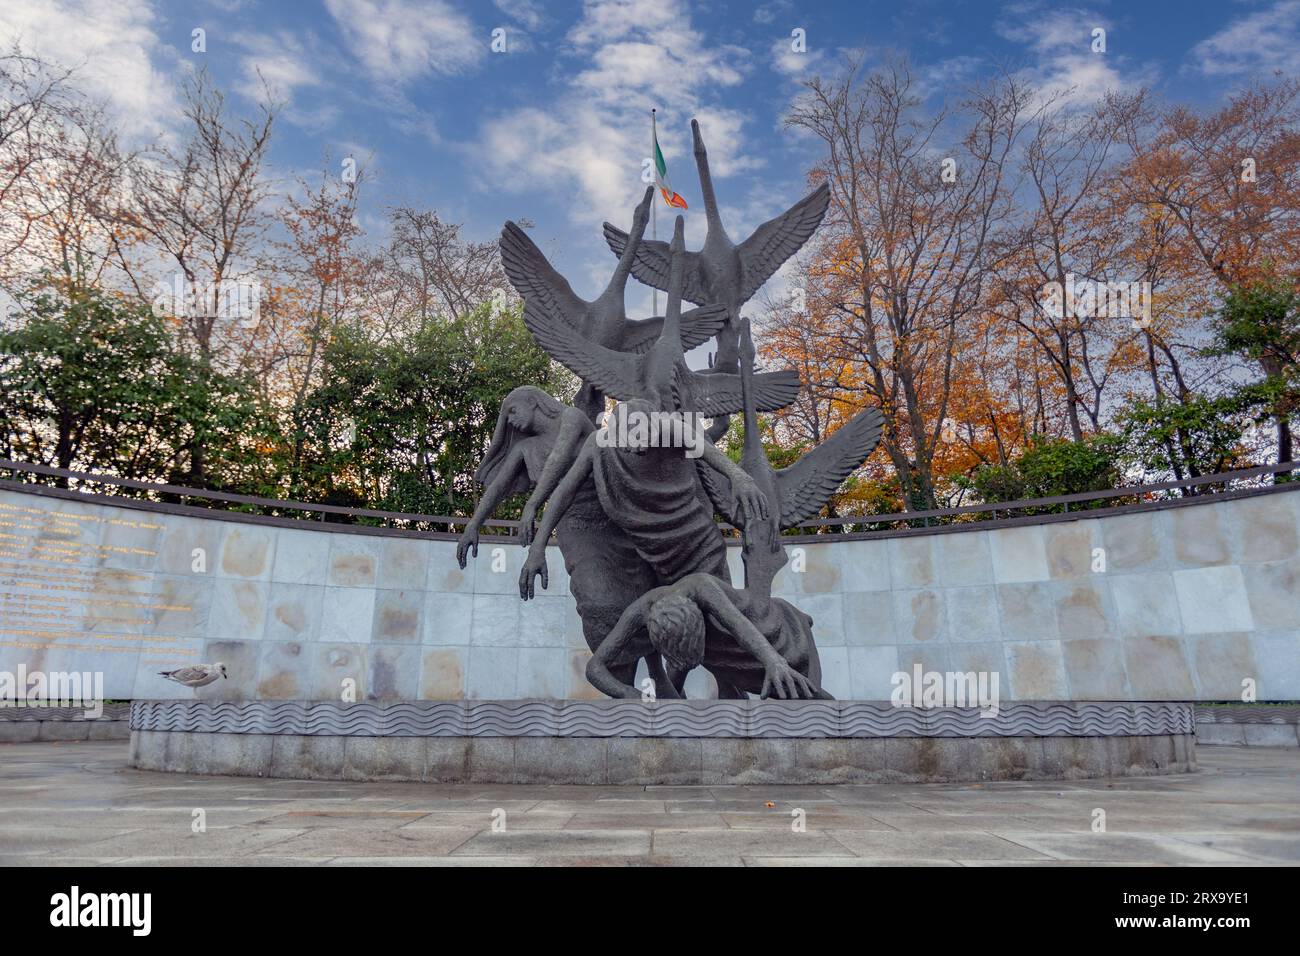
x: 527, y: 12
x: 589, y: 143
x: 1049, y: 32
x: 1262, y: 41
x: 768, y: 12
x: 1062, y: 41
x: 945, y: 77
x: 115, y: 50
x: 402, y: 40
x: 786, y: 60
x: 280, y: 59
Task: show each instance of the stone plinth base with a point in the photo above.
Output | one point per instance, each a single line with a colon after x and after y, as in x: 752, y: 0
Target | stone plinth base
x: 28, y: 723
x: 668, y: 742
x: 1248, y: 725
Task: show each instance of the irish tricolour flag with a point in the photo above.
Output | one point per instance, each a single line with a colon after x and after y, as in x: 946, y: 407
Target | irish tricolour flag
x: 661, y: 171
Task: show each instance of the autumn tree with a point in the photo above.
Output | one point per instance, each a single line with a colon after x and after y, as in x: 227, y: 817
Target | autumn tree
x: 201, y: 207
x: 915, y: 202
x: 1226, y: 186
x: 435, y: 272
x: 1066, y: 239
x: 74, y: 239
x: 35, y: 100
x: 321, y: 267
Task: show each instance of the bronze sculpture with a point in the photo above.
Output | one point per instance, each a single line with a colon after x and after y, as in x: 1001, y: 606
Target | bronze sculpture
x: 634, y: 509
x: 548, y: 295
x: 722, y: 271
x: 534, y: 432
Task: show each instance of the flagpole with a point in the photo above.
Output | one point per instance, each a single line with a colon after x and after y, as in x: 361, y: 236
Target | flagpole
x: 654, y: 231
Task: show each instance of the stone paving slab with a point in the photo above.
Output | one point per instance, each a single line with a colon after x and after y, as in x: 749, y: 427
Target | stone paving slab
x: 432, y: 861
x: 629, y: 842
x: 521, y: 820
x: 747, y: 842
x: 931, y: 844
x: 181, y: 843
x: 328, y: 842
x: 48, y: 840
x: 643, y: 821
x: 1278, y: 848
x: 816, y: 817
x: 344, y: 819
x: 78, y: 803
x: 841, y: 861
x: 924, y: 822
x: 656, y: 860
x: 127, y: 818
x: 1155, y: 847
x: 232, y: 861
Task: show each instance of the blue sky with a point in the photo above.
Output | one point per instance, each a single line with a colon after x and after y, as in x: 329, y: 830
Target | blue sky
x: 555, y: 128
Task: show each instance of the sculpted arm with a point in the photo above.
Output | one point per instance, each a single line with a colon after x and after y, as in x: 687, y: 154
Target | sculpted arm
x: 779, y: 678
x: 493, y: 495
x: 568, y: 444
x: 750, y: 503
x: 618, y: 646
x: 535, y: 564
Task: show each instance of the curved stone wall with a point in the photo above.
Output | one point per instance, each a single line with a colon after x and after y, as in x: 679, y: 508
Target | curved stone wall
x: 1183, y: 603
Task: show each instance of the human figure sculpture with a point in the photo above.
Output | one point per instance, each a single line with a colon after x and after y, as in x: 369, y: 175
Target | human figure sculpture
x: 750, y: 641
x: 651, y: 489
x: 651, y: 493
x: 701, y: 621
x: 635, y: 514
x: 535, y: 432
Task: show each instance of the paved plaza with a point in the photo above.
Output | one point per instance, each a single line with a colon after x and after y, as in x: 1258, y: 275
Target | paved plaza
x: 79, y: 803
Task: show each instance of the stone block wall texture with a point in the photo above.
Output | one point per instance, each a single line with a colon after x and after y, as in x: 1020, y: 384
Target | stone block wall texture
x: 1191, y: 602
x: 25, y: 724
x: 1250, y: 725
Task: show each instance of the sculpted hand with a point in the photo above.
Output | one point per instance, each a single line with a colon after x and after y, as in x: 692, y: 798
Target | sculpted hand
x: 527, y: 525
x: 783, y: 681
x: 533, y: 566
x: 468, y: 541
x: 749, y: 502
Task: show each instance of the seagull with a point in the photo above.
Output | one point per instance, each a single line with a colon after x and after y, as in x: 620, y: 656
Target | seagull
x: 603, y: 321
x: 722, y: 271
x: 660, y: 375
x: 199, y: 675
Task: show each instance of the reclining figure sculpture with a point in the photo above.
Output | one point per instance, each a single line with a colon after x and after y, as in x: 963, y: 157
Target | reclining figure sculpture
x: 750, y: 641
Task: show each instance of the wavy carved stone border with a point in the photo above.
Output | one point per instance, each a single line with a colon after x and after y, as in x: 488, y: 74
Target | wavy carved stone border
x: 41, y: 712
x: 1247, y: 714
x: 668, y: 719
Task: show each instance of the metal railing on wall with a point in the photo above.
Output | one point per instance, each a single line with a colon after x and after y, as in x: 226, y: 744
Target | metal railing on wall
x: 129, y: 492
